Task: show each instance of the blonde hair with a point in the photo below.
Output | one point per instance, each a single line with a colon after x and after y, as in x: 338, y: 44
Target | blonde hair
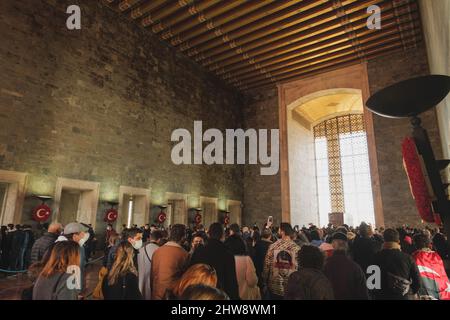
x: 196, y: 274
x: 123, y: 263
x: 63, y: 254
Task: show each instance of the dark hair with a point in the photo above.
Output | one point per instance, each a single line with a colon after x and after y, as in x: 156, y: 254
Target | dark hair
x: 235, y: 228
x: 391, y: 235
x: 130, y: 233
x: 200, y: 234
x: 202, y: 292
x: 421, y: 241
x: 266, y: 233
x: 311, y: 257
x: 236, y: 245
x: 177, y: 232
x: 156, y: 235
x: 287, y: 229
x: 215, y: 231
x: 315, y: 234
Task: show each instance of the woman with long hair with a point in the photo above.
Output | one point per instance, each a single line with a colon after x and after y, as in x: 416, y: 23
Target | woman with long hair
x: 121, y: 283
x: 53, y: 281
x: 245, y: 270
x: 197, y: 274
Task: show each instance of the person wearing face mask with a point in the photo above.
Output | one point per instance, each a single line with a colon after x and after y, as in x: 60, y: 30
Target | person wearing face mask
x: 134, y: 237
x: 78, y: 233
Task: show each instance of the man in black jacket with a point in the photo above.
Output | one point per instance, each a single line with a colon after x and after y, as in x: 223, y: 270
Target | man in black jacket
x: 46, y: 241
x: 346, y: 276
x: 218, y: 256
x: 400, y: 277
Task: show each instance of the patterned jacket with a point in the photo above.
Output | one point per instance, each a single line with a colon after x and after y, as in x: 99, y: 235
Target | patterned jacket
x: 281, y: 260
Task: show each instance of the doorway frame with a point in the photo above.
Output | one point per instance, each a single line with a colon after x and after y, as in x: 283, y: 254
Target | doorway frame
x: 179, y: 196
x: 236, y: 203
x: 352, y: 77
x: 11, y: 211
x: 214, y: 201
x: 146, y: 193
x: 83, y: 185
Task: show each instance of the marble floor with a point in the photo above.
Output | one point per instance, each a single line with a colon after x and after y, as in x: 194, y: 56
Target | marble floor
x: 12, y: 286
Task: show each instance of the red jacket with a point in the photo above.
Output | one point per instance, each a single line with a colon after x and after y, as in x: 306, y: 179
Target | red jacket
x: 435, y: 282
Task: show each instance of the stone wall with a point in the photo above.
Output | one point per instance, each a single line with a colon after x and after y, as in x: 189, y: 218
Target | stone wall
x: 100, y: 104
x: 399, y: 207
x: 262, y: 194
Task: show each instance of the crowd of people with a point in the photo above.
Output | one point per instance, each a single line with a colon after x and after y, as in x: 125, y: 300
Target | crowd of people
x: 234, y: 262
x: 19, y: 248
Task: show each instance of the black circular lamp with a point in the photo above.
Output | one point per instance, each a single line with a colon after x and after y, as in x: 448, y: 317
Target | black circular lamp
x: 411, y: 97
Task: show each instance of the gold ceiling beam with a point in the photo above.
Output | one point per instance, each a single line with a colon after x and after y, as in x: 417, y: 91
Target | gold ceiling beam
x: 333, y: 63
x: 325, y: 25
x: 179, y: 17
x: 305, y: 21
x: 253, y: 24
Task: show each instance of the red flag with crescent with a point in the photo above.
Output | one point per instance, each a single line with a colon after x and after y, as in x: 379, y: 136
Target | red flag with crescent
x: 42, y: 213
x: 161, y: 217
x: 198, y: 218
x: 111, y: 215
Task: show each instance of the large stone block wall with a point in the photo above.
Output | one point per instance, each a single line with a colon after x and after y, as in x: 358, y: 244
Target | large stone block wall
x: 100, y: 104
x: 262, y: 194
x: 398, y: 205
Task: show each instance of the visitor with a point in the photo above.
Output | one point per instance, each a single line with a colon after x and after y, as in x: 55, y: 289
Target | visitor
x: 400, y: 278
x: 52, y: 281
x: 45, y: 242
x: 132, y: 236
x: 168, y: 263
x: 261, y: 248
x: 434, y: 280
x: 316, y: 237
x: 281, y: 260
x: 196, y: 274
x: 218, y: 256
x: 364, y: 247
x: 203, y: 292
x: 146, y: 233
x: 145, y: 263
x: 346, y: 277
x: 198, y: 240
x: 309, y: 282
x: 245, y: 270
x: 121, y: 282
x: 76, y: 232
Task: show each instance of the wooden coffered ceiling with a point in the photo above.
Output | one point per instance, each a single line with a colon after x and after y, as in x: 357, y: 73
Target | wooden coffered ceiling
x: 258, y: 43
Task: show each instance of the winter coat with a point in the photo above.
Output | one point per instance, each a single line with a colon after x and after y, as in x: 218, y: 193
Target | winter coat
x: 400, y: 277
x: 308, y: 284
x: 145, y: 258
x: 346, y: 277
x: 246, y: 278
x: 218, y: 256
x: 41, y: 246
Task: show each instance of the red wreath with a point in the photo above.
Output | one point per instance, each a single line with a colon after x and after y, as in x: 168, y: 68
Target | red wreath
x: 198, y: 218
x: 417, y: 181
x: 161, y: 217
x: 42, y: 213
x: 111, y: 215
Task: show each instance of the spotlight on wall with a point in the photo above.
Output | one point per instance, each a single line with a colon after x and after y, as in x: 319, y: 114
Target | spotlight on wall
x: 43, y: 198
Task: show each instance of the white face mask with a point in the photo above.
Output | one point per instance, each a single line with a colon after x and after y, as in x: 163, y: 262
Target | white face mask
x: 137, y: 244
x: 84, y: 239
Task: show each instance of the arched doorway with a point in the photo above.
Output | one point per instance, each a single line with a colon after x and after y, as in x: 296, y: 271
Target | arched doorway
x: 316, y: 178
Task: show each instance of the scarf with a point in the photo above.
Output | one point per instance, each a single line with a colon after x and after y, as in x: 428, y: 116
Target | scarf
x: 391, y: 245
